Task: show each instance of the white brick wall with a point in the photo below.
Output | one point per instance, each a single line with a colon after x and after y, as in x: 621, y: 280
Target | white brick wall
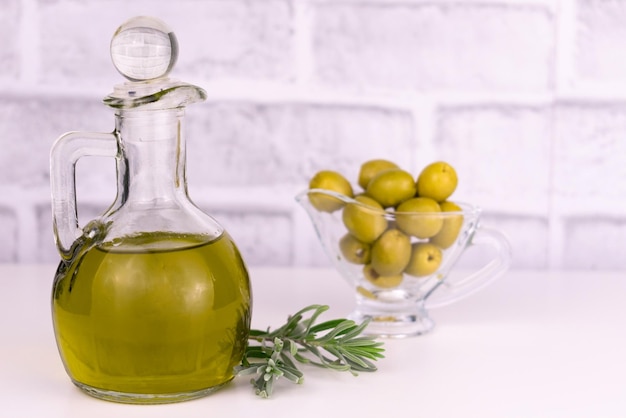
x: 527, y: 98
x: 434, y: 46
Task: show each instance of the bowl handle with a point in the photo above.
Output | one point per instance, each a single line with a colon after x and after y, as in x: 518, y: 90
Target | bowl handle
x: 448, y: 292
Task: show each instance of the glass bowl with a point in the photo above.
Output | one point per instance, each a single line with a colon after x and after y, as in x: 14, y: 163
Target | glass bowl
x: 369, y: 246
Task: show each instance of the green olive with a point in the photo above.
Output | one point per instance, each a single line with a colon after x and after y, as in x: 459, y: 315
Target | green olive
x: 451, y: 226
x: 364, y: 219
x: 383, y: 282
x: 391, y: 253
x: 333, y: 181
x: 354, y: 251
x: 412, y: 217
x: 391, y: 187
x: 371, y: 168
x: 437, y: 181
x: 425, y: 259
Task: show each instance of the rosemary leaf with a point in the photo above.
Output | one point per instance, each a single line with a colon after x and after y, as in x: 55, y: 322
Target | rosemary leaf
x: 336, y: 344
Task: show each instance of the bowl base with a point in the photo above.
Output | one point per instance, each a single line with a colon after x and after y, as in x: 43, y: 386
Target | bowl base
x: 393, y: 325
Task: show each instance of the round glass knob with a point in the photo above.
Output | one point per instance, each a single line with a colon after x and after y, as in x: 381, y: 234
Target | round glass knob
x: 144, y: 48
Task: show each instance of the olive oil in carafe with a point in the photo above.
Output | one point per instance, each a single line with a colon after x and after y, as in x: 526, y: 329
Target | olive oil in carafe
x: 155, y: 314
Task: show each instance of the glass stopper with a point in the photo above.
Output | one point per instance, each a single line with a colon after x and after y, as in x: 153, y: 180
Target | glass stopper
x: 144, y: 48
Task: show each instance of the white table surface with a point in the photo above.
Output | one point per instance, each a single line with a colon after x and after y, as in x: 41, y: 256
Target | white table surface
x: 532, y: 344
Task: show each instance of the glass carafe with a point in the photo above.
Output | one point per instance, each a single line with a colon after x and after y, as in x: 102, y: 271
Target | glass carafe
x: 151, y: 301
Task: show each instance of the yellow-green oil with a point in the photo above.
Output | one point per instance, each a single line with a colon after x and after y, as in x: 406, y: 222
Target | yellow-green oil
x: 154, y: 318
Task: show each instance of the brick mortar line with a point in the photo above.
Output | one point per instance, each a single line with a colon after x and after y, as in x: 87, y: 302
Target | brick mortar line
x: 565, y: 46
x: 251, y: 200
x: 302, y: 25
x: 279, y: 93
x: 245, y: 200
x: 517, y: 3
x: 555, y: 244
x: 219, y: 197
x: 29, y: 41
x: 24, y: 203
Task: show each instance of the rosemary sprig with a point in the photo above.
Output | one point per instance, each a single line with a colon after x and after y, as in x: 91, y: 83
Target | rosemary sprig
x: 336, y: 345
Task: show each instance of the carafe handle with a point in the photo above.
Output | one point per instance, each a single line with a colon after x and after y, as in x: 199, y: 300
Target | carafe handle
x: 450, y: 291
x: 65, y: 153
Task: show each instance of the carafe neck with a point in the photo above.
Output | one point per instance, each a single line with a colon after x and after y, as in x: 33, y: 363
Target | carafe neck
x: 151, y: 165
